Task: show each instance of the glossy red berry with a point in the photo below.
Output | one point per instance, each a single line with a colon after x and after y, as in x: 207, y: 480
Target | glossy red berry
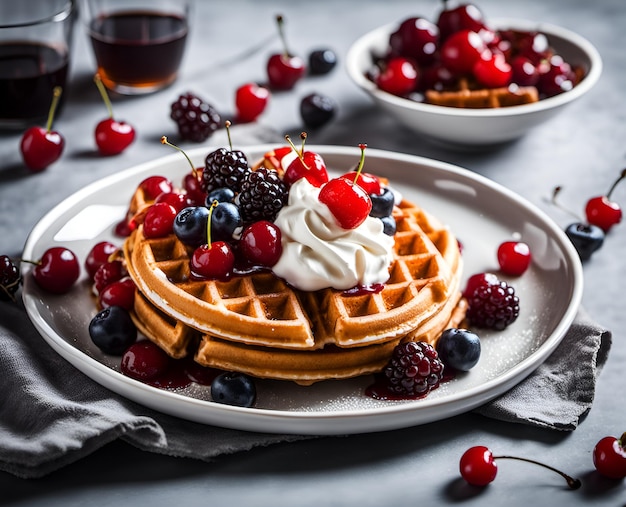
x: 479, y: 280
x: 159, y: 220
x: 214, y: 261
x: 524, y: 71
x: 153, y: 186
x: 462, y: 17
x: 609, y: 457
x: 399, y: 76
x: 112, y: 136
x: 261, y: 244
x: 477, y: 466
x: 40, y: 146
x: 348, y: 202
x: 461, y: 51
x: 192, y: 183
x: 514, y: 257
x: 98, y: 255
x: 493, y: 72
x: 108, y: 273
x: 369, y: 182
x: 57, y: 271
x: 251, y: 100
x: 307, y: 164
x: 145, y: 361
x: 176, y: 200
x: 602, y: 212
x: 416, y: 38
x: 118, y: 293
x: 284, y: 69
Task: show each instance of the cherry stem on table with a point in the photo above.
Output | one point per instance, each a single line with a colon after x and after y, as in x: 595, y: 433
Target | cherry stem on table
x: 571, y: 482
x: 105, y: 96
x: 56, y: 95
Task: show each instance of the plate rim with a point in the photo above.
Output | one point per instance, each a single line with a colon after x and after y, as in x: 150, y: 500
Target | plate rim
x: 303, y: 422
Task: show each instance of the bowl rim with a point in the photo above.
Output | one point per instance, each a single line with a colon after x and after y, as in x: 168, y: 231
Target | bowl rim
x: 364, y: 44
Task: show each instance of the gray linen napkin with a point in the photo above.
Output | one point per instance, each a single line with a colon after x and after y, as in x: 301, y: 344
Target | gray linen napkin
x: 52, y: 415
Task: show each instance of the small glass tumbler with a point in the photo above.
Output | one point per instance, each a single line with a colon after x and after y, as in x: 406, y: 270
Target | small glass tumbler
x: 138, y: 44
x: 35, y: 48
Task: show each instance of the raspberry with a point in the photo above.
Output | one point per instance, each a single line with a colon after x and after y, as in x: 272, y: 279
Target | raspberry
x: 196, y: 119
x: 9, y: 279
x: 224, y: 169
x: 262, y: 195
x: 414, y: 369
x: 493, y: 305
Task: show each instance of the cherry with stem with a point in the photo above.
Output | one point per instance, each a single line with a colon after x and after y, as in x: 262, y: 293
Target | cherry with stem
x: 112, y: 136
x: 603, y: 212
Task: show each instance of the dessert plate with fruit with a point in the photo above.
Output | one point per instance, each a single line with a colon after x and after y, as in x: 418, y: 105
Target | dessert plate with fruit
x: 443, y: 225
x: 464, y: 78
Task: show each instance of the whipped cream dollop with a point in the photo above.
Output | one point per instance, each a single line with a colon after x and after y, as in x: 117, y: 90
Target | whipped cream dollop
x: 318, y: 253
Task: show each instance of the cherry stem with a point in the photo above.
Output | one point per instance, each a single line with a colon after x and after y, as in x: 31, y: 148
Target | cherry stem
x: 105, y: 96
x: 361, y: 162
x: 193, y: 168
x: 227, y: 125
x: 280, y: 21
x: 208, y: 223
x: 621, y: 177
x: 555, y: 193
x: 571, y: 482
x: 301, y: 152
x: 56, y: 96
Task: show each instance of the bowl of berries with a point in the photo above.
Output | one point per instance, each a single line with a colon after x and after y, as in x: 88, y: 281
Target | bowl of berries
x: 467, y: 80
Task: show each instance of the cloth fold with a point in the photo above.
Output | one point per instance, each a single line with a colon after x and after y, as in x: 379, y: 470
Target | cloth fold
x: 51, y: 414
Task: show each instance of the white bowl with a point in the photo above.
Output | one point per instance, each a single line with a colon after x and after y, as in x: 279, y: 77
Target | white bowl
x: 475, y: 126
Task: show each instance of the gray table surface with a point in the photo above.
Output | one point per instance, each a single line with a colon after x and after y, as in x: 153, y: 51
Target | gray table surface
x: 582, y: 149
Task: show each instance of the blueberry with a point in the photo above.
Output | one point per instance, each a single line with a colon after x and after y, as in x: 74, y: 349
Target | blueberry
x: 322, y: 61
x: 232, y: 388
x: 586, y: 238
x: 112, y: 330
x: 190, y: 225
x: 226, y: 222
x: 382, y: 204
x: 459, y: 349
x: 389, y: 225
x: 317, y: 110
x: 222, y: 194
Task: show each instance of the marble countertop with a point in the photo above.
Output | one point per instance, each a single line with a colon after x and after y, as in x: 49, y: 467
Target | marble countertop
x: 582, y: 150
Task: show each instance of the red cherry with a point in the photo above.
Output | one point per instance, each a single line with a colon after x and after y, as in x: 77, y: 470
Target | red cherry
x: 144, y: 360
x: 462, y: 17
x: 479, y: 280
x: 494, y: 72
x: 159, y: 220
x: 603, y: 212
x: 462, y: 50
x: 261, y: 243
x: 478, y: 467
x: 108, y: 273
x: 399, y: 76
x: 98, y: 255
x: 112, y: 136
x: 176, y: 200
x: 40, y: 146
x: 609, y: 457
x: 284, y: 70
x: 416, y: 38
x: 192, y: 183
x: 214, y: 261
x: 347, y: 201
x: 251, y: 100
x: 524, y: 72
x: 368, y: 182
x: 118, y: 293
x: 153, y: 186
x: 308, y: 164
x: 57, y: 270
x: 514, y: 257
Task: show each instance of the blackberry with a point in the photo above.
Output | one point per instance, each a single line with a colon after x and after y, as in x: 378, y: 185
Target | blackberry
x: 224, y: 168
x: 262, y: 195
x: 414, y: 369
x: 493, y: 305
x: 9, y: 279
x: 196, y: 119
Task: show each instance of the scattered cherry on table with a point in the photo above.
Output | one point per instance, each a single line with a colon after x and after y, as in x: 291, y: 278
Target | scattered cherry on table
x: 284, y: 69
x: 251, y: 99
x: 112, y: 136
x: 609, y: 457
x: 41, y: 146
x: 603, y: 212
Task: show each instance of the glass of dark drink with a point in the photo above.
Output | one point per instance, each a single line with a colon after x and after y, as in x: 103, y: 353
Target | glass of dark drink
x: 138, y: 44
x: 35, y: 43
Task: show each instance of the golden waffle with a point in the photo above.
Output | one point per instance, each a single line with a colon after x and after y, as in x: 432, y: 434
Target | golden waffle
x: 469, y: 97
x: 261, y: 309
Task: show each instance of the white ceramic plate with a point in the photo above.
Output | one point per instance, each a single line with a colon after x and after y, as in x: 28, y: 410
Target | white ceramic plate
x: 480, y: 212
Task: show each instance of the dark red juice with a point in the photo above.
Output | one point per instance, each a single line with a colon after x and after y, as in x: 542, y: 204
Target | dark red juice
x: 28, y: 74
x: 138, y: 49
